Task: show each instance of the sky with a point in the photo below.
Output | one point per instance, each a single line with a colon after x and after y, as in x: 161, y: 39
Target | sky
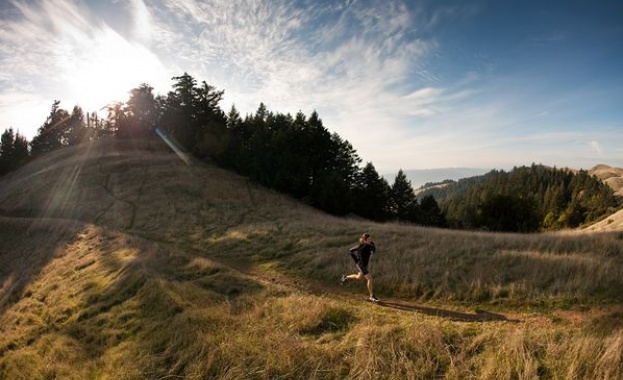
x: 410, y: 84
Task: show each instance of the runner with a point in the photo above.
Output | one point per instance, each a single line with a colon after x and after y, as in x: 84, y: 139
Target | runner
x: 361, y: 254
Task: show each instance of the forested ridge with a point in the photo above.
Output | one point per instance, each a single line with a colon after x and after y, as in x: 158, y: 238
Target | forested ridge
x: 525, y: 199
x: 299, y: 156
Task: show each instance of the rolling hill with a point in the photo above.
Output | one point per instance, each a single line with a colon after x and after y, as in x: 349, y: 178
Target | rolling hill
x: 614, y: 178
x: 119, y: 260
x: 421, y: 177
x: 613, y: 222
x: 438, y: 177
x: 610, y: 175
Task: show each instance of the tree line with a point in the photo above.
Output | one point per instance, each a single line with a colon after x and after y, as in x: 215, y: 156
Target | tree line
x: 296, y: 155
x: 526, y: 199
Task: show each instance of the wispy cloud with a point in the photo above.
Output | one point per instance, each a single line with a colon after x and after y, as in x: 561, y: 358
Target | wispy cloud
x: 350, y: 61
x: 597, y: 148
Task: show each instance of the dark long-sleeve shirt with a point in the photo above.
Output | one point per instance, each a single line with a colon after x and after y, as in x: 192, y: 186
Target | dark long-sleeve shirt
x: 361, y: 253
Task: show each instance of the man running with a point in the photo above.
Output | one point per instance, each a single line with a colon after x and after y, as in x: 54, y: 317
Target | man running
x: 361, y: 254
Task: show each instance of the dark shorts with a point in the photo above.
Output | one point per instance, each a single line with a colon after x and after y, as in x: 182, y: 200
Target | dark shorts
x: 361, y: 262
x: 363, y: 269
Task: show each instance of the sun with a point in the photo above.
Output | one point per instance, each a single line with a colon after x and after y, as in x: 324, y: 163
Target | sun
x: 108, y: 69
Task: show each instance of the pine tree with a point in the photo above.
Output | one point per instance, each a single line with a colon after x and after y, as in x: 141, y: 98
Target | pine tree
x: 76, y: 131
x: 371, y: 195
x: 140, y: 114
x: 403, y: 201
x: 13, y: 151
x: 430, y: 214
x: 7, y: 149
x: 52, y: 134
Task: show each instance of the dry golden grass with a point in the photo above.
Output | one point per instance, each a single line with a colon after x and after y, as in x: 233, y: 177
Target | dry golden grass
x: 612, y: 222
x: 118, y: 261
x: 610, y: 175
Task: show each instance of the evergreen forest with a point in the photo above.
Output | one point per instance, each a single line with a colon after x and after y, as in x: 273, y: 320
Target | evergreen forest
x: 297, y: 155
x: 525, y: 199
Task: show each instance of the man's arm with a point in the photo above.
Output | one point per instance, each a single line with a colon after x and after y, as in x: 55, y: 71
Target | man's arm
x: 354, y: 249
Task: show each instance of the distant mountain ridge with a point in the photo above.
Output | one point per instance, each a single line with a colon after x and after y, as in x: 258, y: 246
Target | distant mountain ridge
x: 421, y: 177
x: 560, y: 198
x: 612, y: 176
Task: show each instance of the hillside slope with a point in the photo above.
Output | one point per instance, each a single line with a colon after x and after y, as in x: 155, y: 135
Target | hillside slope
x: 139, y: 186
x: 613, y: 222
x: 614, y: 178
x: 610, y: 175
x: 118, y: 260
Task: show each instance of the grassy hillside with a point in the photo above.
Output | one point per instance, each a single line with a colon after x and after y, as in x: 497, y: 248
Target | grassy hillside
x: 614, y: 178
x: 610, y: 175
x: 117, y: 260
x: 612, y: 222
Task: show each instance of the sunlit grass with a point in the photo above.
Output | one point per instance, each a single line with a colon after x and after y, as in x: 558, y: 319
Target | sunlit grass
x: 109, y: 305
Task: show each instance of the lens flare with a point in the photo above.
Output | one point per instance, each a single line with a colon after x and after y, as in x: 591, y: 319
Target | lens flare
x: 173, y: 145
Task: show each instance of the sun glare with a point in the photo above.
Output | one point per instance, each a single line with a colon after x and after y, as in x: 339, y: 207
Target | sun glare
x: 109, y: 70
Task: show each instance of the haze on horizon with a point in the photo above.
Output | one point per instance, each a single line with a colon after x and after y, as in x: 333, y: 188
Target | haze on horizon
x: 411, y: 84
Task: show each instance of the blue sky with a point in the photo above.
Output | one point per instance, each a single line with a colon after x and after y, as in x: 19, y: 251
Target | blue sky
x: 411, y: 84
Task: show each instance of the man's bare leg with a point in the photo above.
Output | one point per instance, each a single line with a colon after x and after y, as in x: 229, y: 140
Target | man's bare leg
x: 370, y: 284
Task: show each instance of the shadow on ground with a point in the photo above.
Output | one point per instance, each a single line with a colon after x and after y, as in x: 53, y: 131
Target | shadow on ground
x: 478, y: 316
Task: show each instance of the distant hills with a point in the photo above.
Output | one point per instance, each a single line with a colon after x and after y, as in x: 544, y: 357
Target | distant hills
x: 612, y: 176
x: 420, y: 177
